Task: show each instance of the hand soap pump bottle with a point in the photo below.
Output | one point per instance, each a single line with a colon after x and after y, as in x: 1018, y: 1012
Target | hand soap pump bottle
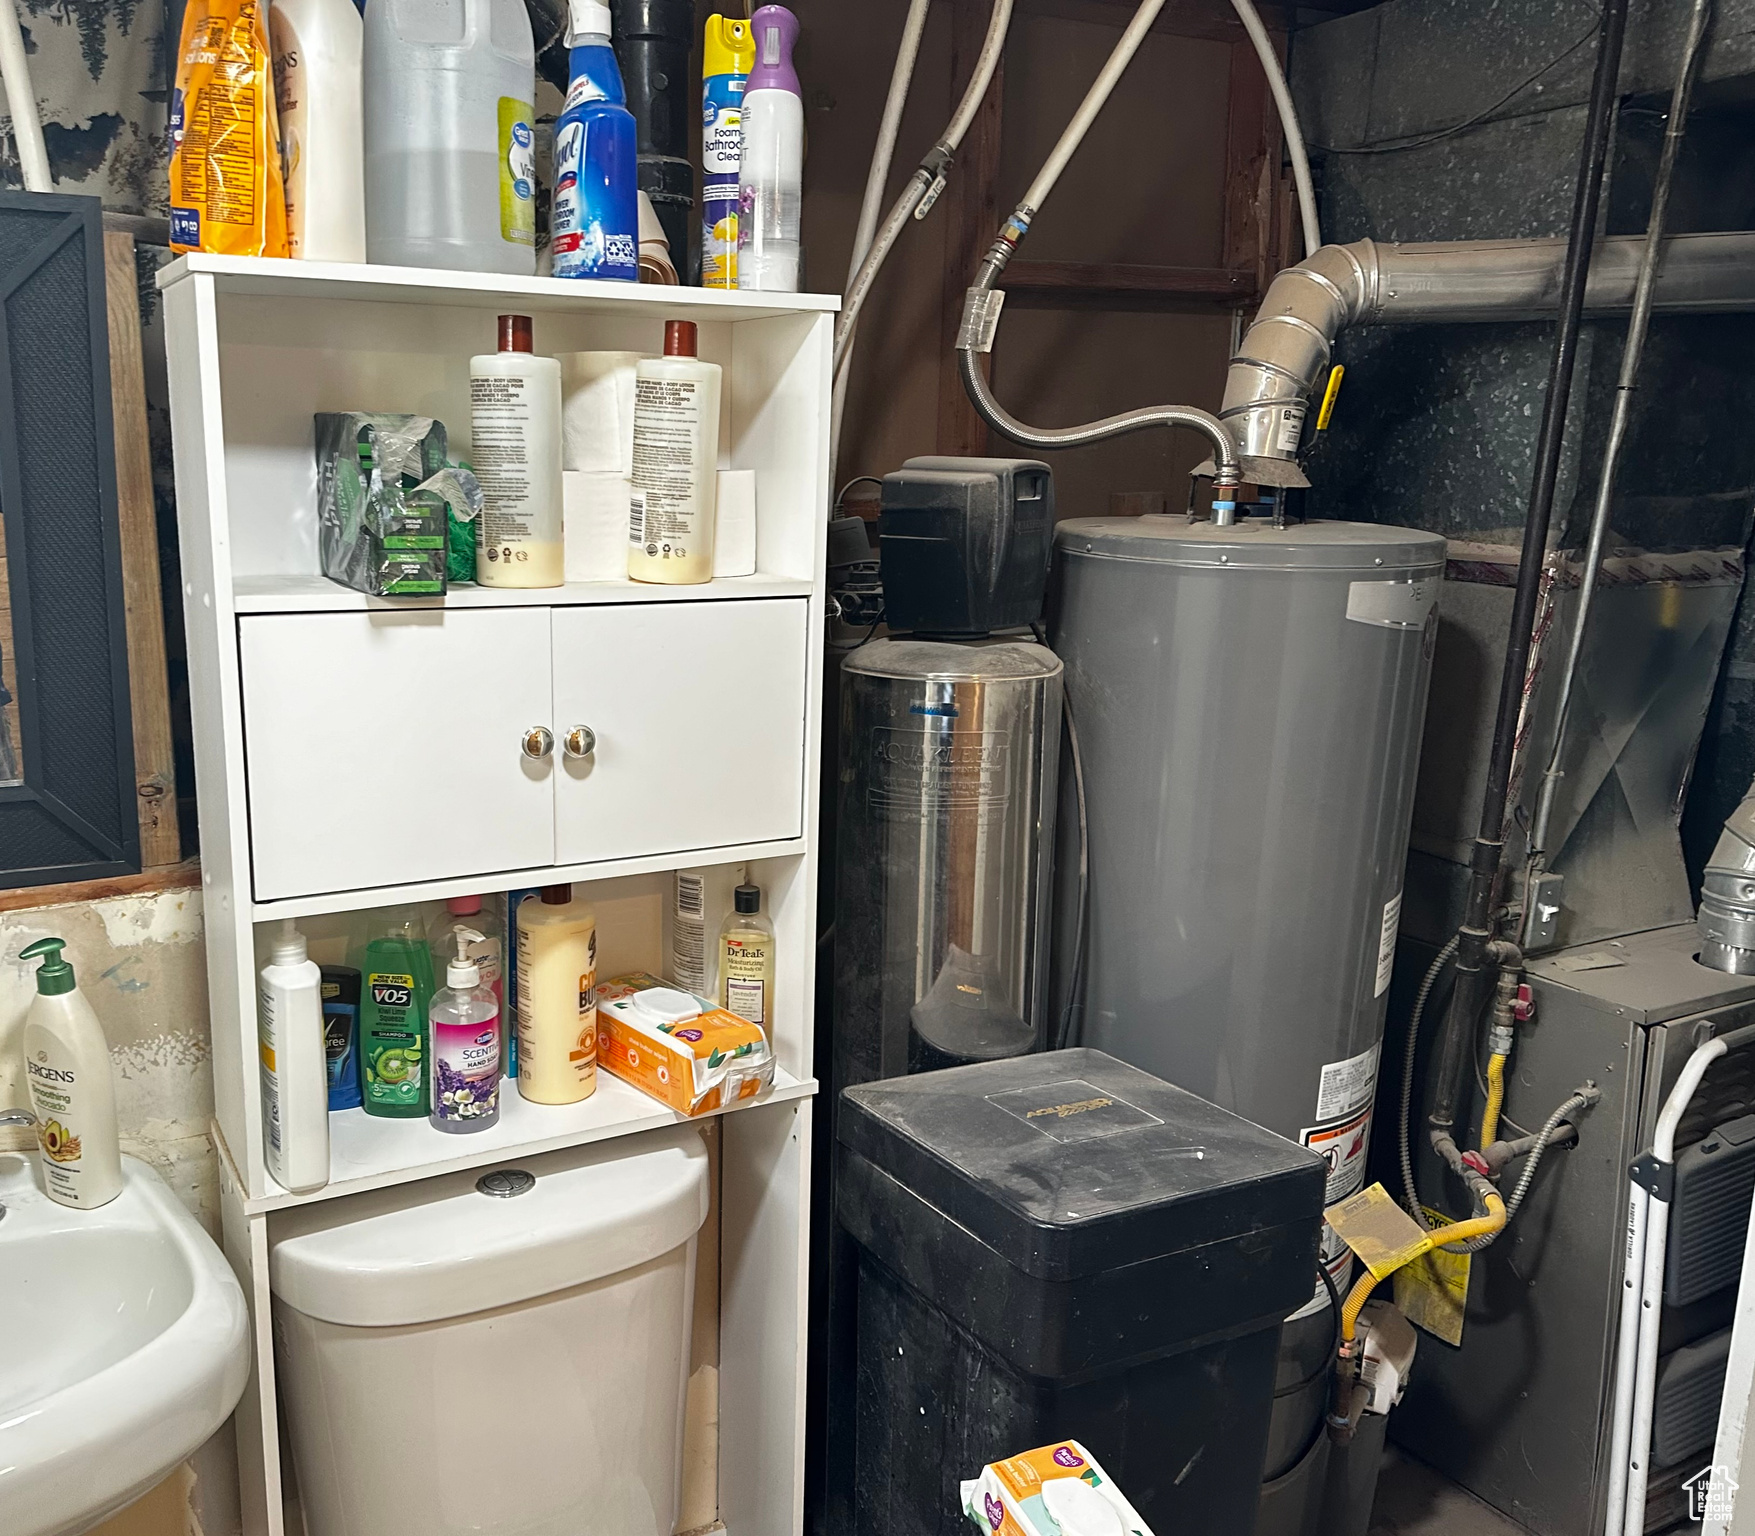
x: 597, y: 194
x: 293, y: 1048
x: 465, y: 1019
x: 67, y: 1064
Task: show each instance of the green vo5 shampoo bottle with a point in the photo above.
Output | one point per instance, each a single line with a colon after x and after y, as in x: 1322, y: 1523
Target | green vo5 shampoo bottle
x: 396, y: 989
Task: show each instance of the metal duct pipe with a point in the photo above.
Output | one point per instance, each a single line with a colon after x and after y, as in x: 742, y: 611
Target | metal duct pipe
x: 1726, y: 922
x: 1286, y: 350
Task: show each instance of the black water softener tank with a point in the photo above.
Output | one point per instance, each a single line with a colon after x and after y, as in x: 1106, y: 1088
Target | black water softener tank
x: 1061, y: 1246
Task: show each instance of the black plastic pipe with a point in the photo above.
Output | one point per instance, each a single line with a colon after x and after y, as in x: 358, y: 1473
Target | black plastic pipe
x: 652, y: 43
x: 1475, y: 966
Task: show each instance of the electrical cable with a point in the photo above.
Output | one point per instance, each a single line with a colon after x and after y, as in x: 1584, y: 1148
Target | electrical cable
x: 1632, y: 353
x: 927, y: 181
x: 1468, y: 122
x: 1335, y: 1304
x: 1410, y: 1195
x: 1565, y: 1112
x: 841, y: 495
x: 1076, y: 978
x: 1289, y: 126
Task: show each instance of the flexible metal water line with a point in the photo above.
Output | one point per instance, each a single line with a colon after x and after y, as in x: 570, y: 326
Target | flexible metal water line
x: 924, y: 186
x: 1699, y: 19
x: 876, y: 179
x: 982, y: 304
x: 1289, y: 127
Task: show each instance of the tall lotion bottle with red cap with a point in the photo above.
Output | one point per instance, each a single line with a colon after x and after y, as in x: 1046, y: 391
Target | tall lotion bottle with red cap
x: 515, y: 451
x: 676, y: 462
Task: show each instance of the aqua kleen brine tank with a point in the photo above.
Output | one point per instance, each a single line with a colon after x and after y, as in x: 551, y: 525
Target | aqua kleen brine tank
x: 1060, y: 1246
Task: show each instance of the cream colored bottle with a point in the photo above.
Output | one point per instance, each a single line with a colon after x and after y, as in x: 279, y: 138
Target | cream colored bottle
x: 73, y: 1096
x: 557, y: 998
x: 746, y: 959
x: 676, y: 463
x: 515, y: 451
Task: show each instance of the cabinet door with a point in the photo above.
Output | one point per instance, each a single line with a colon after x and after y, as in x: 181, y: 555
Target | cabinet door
x: 383, y: 748
x: 698, y: 713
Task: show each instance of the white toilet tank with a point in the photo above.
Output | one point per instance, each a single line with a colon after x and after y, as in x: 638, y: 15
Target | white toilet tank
x: 455, y: 1362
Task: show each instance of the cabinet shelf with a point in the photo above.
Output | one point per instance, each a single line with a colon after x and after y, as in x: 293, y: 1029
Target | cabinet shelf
x: 370, y: 1152
x: 317, y: 594
x: 273, y: 277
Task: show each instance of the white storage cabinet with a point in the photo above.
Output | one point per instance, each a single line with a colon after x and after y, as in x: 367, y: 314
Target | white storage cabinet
x: 354, y: 753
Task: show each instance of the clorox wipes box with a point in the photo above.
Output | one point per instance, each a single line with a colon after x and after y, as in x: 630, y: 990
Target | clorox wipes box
x: 1056, y: 1490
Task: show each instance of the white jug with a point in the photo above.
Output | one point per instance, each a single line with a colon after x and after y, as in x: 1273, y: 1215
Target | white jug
x: 450, y: 90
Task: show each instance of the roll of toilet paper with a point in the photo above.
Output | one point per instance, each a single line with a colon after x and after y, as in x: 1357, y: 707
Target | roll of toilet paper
x: 594, y: 506
x: 734, y: 524
x: 597, y: 411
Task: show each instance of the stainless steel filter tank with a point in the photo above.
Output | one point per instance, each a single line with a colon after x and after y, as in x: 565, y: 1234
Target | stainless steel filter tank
x: 1249, y: 701
x: 949, y: 755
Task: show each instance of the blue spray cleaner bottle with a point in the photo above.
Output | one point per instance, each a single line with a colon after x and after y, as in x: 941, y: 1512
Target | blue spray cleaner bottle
x: 596, y: 200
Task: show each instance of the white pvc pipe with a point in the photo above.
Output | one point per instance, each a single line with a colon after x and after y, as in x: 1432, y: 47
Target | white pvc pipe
x: 1626, y: 1356
x: 21, y: 99
x: 1276, y: 79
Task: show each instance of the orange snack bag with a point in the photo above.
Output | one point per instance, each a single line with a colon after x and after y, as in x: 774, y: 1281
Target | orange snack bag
x: 227, y: 192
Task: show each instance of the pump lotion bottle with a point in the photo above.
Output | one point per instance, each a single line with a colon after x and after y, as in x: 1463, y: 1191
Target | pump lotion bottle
x: 676, y: 463
x: 67, y: 1065
x: 515, y: 450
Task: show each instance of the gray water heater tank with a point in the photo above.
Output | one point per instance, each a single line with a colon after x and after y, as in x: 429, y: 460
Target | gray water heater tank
x: 1249, y: 702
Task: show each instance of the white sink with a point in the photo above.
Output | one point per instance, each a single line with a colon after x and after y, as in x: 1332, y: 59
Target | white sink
x: 124, y: 1346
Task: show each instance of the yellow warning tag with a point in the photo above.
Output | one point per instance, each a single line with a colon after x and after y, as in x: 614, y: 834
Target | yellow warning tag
x: 1433, y: 1290
x: 1329, y: 396
x: 1379, y: 1231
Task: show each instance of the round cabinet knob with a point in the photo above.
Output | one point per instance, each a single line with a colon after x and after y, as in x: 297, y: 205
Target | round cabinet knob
x: 539, y: 741
x: 581, y: 741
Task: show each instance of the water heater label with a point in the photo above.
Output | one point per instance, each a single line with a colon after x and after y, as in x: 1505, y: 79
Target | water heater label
x: 1392, y: 604
x: 1347, y: 1085
x: 1392, y: 920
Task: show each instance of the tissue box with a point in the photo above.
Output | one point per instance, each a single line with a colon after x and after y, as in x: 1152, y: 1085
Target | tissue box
x: 1055, y: 1490
x: 376, y: 532
x: 678, y: 1047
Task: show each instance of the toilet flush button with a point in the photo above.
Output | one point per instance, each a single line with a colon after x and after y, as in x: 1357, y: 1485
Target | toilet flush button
x: 506, y: 1182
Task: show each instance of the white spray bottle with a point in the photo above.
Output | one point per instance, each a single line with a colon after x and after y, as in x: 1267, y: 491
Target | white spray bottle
x: 67, y: 1064
x: 771, y: 168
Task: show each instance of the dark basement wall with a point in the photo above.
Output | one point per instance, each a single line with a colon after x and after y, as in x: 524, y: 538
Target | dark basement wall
x: 1437, y: 424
